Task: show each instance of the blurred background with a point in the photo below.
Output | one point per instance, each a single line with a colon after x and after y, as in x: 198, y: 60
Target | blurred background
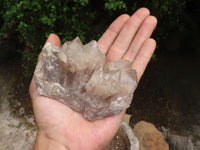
x: 169, y: 92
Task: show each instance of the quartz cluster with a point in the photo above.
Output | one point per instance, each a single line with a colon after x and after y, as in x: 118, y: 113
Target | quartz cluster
x: 78, y: 76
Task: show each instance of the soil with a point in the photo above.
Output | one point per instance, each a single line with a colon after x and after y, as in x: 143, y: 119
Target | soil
x: 17, y: 128
x: 119, y: 142
x: 169, y: 95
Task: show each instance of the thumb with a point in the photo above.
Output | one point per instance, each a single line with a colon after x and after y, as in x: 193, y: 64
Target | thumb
x: 53, y: 39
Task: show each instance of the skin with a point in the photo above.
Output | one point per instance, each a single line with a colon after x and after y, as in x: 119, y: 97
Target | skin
x: 60, y: 127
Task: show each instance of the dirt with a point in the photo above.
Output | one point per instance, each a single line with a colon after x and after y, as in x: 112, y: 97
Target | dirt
x: 16, y: 132
x: 119, y: 142
x: 169, y: 95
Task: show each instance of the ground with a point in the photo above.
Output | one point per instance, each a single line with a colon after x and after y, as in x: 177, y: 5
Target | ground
x: 168, y: 95
x: 17, y: 128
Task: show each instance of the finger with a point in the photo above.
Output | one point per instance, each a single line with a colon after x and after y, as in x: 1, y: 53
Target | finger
x: 126, y: 35
x: 53, y: 39
x: 143, y: 56
x: 111, y: 33
x: 144, y: 33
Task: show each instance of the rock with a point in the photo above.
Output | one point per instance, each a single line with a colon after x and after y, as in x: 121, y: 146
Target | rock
x: 134, y: 143
x: 124, y: 139
x: 78, y: 76
x: 177, y: 142
x: 149, y: 137
x: 126, y: 118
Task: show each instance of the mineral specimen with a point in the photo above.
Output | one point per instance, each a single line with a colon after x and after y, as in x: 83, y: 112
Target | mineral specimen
x: 78, y: 76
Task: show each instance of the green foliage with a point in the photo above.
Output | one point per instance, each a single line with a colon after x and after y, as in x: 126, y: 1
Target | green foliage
x: 114, y: 5
x: 35, y: 20
x: 153, y: 58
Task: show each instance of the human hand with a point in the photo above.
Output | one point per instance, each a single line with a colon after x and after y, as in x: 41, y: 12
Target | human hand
x: 60, y: 127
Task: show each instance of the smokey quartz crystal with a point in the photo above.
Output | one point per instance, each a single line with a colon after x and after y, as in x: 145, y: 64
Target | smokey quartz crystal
x: 78, y: 76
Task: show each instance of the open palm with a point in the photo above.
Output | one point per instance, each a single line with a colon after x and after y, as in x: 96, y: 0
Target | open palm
x: 126, y: 38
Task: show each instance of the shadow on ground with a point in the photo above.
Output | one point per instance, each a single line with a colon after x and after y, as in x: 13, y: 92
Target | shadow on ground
x: 169, y: 93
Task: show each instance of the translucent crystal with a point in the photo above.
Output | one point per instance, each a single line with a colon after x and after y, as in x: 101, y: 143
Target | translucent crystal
x: 78, y: 76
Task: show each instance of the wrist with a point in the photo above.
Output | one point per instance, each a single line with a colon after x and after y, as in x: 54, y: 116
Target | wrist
x: 43, y: 142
